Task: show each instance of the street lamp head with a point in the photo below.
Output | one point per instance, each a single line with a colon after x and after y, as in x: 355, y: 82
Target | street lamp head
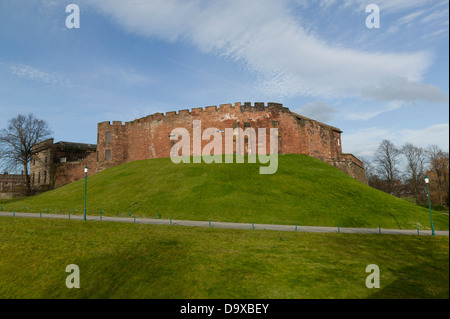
x: 427, y: 180
x: 86, y: 169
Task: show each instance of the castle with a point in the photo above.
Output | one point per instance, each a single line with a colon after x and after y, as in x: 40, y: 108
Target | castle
x: 149, y: 137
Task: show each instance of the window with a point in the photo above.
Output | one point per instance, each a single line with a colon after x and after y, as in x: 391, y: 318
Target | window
x: 107, y: 155
x: 45, y: 177
x: 108, y: 137
x: 63, y: 159
x: 39, y: 177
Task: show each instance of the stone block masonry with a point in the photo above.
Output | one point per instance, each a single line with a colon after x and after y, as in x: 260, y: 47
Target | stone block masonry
x: 56, y: 164
x: 149, y: 137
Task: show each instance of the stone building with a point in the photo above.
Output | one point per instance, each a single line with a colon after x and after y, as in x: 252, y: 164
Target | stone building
x: 56, y: 164
x: 12, y: 182
x: 148, y: 137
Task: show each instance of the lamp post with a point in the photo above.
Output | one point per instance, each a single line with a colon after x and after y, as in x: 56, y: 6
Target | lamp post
x: 427, y: 180
x: 85, y: 188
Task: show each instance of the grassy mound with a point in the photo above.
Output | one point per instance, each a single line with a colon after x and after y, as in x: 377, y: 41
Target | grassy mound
x: 304, y: 191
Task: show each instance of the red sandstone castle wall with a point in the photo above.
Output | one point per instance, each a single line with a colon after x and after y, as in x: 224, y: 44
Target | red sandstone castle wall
x: 66, y: 173
x: 148, y: 137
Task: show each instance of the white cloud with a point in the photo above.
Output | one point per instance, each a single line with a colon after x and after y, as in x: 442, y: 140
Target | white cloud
x: 402, y: 89
x: 318, y: 110
x: 410, y: 17
x: 32, y: 73
x: 433, y: 19
x: 367, y: 115
x: 389, y: 6
x: 436, y: 16
x: 436, y: 134
x: 364, y: 142
x: 267, y: 37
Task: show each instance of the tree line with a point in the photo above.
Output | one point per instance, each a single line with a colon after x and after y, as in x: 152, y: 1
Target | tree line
x: 401, y: 171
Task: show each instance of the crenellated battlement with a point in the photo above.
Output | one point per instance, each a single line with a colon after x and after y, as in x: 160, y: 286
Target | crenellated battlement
x: 242, y: 107
x: 152, y: 137
x: 149, y: 136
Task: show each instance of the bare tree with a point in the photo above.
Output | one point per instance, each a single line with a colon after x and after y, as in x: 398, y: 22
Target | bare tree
x: 371, y: 173
x: 369, y: 169
x: 387, y: 157
x: 415, y: 169
x: 439, y: 166
x: 17, y: 140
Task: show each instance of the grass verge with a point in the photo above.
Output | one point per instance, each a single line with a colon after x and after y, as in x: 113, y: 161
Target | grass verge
x: 144, y: 261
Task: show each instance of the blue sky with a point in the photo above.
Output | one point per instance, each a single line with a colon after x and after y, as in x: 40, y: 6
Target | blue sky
x: 133, y: 58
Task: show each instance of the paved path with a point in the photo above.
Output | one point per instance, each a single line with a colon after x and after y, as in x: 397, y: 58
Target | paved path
x: 310, y: 229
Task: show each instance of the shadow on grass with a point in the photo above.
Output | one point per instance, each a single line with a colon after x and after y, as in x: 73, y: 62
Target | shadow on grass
x: 427, y: 279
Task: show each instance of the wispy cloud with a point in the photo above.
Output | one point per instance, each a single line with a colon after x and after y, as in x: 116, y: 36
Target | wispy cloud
x: 434, y: 18
x: 404, y: 90
x: 32, y: 73
x: 119, y: 75
x: 268, y: 39
x: 367, y: 115
x: 410, y: 17
x: 319, y: 111
x: 364, y: 142
x: 389, y: 6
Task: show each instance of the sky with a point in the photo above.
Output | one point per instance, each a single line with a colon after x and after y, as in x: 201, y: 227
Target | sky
x: 130, y: 59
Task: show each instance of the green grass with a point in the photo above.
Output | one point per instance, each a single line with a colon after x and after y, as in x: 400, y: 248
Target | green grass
x: 118, y: 260
x: 303, y: 191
